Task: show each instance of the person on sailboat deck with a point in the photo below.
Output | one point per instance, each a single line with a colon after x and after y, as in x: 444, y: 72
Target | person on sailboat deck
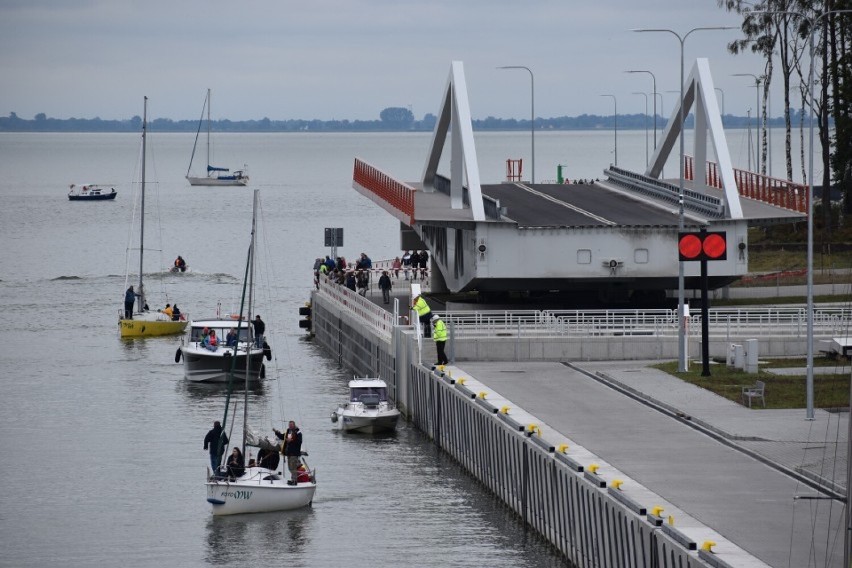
x: 236, y: 464
x: 259, y: 328
x: 175, y: 313
x: 129, y: 300
x: 168, y: 311
x: 231, y: 338
x: 292, y: 449
x: 213, y: 443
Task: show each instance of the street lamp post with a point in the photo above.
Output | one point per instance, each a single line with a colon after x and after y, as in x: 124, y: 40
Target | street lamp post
x: 615, y: 124
x: 809, y: 411
x: 721, y: 92
x: 681, y: 334
x: 532, y: 111
x: 655, y: 99
x: 757, y: 81
x: 646, y: 124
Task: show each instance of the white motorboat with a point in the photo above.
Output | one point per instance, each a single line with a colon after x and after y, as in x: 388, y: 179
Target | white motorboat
x: 368, y: 410
x: 90, y: 192
x: 201, y: 365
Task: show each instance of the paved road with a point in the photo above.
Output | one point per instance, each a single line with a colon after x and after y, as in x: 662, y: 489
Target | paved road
x: 698, y: 462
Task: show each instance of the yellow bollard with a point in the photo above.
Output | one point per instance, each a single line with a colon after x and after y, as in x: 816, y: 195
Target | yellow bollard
x: 657, y: 510
x: 562, y: 449
x: 617, y: 483
x: 708, y: 546
x: 482, y: 395
x: 504, y: 410
x: 593, y: 468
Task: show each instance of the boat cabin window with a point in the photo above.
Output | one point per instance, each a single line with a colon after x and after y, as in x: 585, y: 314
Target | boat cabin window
x: 221, y: 333
x: 365, y: 394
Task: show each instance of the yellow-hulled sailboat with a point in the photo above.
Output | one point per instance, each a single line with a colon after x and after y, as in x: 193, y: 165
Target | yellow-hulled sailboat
x: 136, y: 320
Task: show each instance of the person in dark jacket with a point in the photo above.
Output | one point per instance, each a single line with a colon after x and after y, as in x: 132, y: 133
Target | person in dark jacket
x: 129, y: 300
x: 259, y: 328
x: 236, y: 464
x: 292, y: 450
x: 385, y: 286
x: 215, y: 440
x: 415, y: 262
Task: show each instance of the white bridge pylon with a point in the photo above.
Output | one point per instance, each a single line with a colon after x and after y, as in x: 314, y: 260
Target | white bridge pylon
x: 455, y: 113
x: 699, y: 90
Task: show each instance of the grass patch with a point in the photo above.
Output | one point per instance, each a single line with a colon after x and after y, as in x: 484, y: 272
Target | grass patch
x: 830, y: 391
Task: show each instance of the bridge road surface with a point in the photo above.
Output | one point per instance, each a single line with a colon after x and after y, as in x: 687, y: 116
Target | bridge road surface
x: 746, y: 501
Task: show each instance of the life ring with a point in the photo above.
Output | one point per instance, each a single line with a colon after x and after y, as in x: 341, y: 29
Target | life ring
x: 235, y: 317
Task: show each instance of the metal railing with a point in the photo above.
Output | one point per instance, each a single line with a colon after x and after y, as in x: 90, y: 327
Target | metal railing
x: 756, y: 322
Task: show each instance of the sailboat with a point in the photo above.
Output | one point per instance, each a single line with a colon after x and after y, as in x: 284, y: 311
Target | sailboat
x: 255, y: 489
x: 215, y: 175
x: 136, y: 320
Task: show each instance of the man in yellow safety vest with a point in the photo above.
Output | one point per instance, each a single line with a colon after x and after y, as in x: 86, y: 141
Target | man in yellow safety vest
x: 424, y: 314
x: 439, y: 333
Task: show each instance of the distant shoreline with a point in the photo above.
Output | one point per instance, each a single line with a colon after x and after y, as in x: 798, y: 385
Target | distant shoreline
x: 42, y: 123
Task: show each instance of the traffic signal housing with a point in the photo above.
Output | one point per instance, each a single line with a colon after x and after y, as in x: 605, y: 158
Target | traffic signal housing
x: 702, y: 245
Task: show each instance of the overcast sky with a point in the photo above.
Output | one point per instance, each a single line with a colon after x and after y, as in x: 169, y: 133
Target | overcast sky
x: 349, y: 59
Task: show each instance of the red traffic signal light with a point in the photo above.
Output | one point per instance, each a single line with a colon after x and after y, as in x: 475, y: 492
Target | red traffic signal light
x: 702, y: 246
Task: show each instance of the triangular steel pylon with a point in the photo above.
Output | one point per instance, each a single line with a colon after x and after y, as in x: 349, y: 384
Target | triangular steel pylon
x: 454, y: 117
x: 707, y: 115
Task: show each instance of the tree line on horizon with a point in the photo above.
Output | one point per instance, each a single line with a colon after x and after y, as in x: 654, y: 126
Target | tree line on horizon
x: 391, y: 119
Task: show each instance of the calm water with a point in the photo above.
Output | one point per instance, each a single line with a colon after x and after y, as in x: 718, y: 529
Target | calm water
x: 102, y: 438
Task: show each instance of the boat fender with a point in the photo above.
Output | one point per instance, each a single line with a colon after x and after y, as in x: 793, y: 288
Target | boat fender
x: 178, y: 355
x: 334, y: 417
x: 267, y: 351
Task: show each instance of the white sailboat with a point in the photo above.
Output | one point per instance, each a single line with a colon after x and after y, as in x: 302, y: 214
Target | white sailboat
x: 136, y: 320
x: 255, y: 489
x: 215, y: 175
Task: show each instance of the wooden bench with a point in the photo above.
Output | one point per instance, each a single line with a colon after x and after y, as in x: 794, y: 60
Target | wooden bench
x: 756, y: 391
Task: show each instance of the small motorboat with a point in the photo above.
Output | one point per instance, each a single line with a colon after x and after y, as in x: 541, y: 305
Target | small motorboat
x: 91, y: 192
x: 368, y: 409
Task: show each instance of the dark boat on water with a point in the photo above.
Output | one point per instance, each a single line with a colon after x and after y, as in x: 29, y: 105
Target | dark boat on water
x: 91, y: 192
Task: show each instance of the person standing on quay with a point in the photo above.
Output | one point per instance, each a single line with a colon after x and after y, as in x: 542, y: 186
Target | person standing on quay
x: 424, y: 314
x: 439, y: 333
x: 385, y: 286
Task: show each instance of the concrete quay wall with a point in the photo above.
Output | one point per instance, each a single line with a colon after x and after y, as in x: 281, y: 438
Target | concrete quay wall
x: 553, y: 495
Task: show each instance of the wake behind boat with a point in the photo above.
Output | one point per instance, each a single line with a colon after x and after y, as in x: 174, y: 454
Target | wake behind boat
x: 203, y: 364
x: 368, y: 409
x: 91, y: 192
x: 215, y: 175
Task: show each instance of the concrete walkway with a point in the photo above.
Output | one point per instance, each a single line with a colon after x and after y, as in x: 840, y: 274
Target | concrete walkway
x: 759, y: 478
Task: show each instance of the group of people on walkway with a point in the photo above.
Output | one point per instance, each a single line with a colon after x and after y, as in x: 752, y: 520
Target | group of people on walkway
x: 337, y: 270
x: 414, y: 262
x: 290, y: 447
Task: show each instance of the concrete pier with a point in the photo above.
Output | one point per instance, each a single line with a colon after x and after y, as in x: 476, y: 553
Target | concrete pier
x: 615, y: 463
